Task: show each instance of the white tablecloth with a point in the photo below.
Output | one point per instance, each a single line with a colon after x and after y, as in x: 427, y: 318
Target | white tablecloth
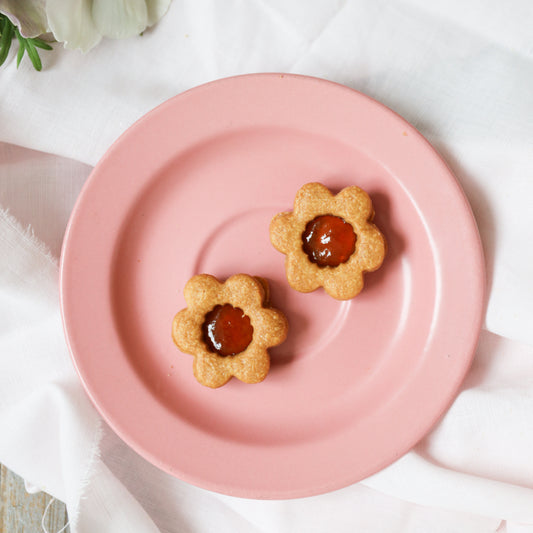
x: 461, y: 72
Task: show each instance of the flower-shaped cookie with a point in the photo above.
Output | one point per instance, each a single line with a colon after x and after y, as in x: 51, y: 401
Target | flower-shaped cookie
x: 228, y: 328
x: 329, y: 240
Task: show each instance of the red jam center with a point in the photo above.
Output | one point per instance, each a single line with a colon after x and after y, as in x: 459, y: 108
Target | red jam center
x: 227, y: 330
x: 328, y: 240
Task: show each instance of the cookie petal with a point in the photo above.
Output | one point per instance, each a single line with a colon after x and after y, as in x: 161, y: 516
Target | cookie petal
x: 186, y: 331
x: 280, y: 230
x: 211, y: 370
x: 311, y: 200
x: 354, y: 205
x: 201, y: 290
x: 270, y: 327
x: 370, y: 249
x: 344, y: 287
x: 252, y: 366
x: 243, y: 291
x: 302, y: 275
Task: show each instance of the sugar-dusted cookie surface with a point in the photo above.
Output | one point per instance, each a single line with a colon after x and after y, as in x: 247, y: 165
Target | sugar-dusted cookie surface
x: 228, y: 327
x: 329, y: 240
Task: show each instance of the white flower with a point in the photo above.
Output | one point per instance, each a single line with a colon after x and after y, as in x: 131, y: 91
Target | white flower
x: 28, y: 15
x: 82, y: 23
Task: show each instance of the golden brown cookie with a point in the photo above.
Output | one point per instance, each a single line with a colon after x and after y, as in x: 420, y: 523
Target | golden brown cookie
x: 329, y: 240
x: 228, y: 328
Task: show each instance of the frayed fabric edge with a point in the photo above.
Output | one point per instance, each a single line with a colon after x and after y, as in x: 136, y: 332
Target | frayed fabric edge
x: 28, y: 235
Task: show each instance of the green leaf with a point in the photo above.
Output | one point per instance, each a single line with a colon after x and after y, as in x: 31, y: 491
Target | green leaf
x: 20, y: 54
x: 34, y: 55
x: 29, y: 45
x: 39, y: 43
x: 5, y: 40
x: 22, y: 47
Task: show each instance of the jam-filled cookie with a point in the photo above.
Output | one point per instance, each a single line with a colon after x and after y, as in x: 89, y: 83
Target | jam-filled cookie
x: 228, y: 327
x: 329, y: 240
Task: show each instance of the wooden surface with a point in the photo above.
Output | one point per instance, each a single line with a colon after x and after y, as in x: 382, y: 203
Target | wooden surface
x: 21, y: 512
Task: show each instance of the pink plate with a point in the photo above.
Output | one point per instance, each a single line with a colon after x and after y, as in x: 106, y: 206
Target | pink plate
x: 191, y: 188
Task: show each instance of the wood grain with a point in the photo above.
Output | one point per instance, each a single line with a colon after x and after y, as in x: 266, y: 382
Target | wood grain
x: 21, y: 512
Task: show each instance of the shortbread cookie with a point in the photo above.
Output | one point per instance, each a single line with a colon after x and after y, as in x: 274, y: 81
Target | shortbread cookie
x: 228, y: 328
x: 329, y: 240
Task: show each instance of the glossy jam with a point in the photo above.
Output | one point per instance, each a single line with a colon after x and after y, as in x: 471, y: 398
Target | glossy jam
x: 227, y: 330
x: 328, y: 240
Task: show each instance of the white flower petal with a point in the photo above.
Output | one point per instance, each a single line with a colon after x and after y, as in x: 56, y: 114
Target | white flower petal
x: 156, y: 9
x: 28, y: 15
x: 119, y: 19
x: 72, y: 23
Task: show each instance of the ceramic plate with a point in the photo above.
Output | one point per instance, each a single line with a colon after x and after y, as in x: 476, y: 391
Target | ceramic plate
x: 191, y: 188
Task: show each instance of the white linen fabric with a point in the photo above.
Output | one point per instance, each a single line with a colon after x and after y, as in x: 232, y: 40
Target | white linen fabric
x: 461, y: 72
